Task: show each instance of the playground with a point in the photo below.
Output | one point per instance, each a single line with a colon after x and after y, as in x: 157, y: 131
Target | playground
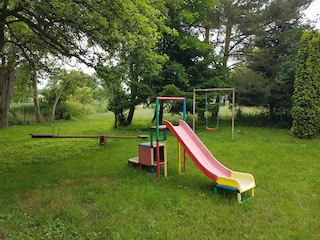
x: 76, y: 189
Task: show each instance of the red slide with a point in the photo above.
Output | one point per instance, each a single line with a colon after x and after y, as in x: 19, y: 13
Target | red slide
x: 197, y: 151
x: 209, y: 165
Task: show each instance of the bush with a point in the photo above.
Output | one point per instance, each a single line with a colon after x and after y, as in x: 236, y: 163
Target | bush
x: 24, y: 114
x: 78, y: 109
x: 68, y: 110
x: 100, y: 107
x: 263, y: 120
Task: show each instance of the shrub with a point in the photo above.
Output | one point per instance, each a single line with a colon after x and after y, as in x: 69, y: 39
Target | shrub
x: 21, y: 114
x: 305, y: 110
x: 263, y: 119
x: 72, y: 109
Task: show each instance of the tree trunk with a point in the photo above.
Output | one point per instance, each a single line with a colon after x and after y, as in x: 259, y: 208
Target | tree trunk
x: 34, y: 84
x: 56, y: 101
x: 207, y: 28
x: 130, y: 115
x: 160, y: 114
x: 54, y: 106
x: 226, y: 51
x: 115, y: 120
x: 7, y: 83
x: 207, y: 34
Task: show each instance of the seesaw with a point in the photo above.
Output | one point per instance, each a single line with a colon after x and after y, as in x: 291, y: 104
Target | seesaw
x: 103, y: 138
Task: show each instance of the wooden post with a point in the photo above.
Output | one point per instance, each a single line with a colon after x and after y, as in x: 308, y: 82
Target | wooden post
x: 233, y: 110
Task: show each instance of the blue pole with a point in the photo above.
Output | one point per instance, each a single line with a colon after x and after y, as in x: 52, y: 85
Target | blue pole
x: 184, y: 110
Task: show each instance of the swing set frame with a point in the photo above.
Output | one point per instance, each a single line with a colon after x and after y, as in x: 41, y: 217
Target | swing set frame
x: 218, y: 113
x: 213, y: 90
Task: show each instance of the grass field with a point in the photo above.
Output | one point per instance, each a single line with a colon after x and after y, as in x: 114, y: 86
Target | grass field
x: 75, y: 189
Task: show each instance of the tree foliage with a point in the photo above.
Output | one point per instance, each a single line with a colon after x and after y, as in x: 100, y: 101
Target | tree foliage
x: 145, y: 48
x: 61, y: 84
x: 270, y: 55
x: 180, y: 58
x: 91, y: 31
x: 251, y: 86
x: 306, y: 100
x: 274, y: 59
x: 236, y: 24
x: 192, y: 61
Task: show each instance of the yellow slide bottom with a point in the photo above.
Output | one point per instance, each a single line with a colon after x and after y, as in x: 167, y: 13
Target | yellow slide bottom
x: 242, y: 182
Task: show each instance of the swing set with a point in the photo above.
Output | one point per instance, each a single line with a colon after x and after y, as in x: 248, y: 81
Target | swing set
x: 219, y: 105
x: 219, y: 98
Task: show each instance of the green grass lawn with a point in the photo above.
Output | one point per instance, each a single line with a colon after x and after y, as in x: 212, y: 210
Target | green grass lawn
x: 75, y: 189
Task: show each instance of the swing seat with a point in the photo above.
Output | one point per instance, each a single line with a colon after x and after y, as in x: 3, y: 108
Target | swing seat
x: 212, y: 129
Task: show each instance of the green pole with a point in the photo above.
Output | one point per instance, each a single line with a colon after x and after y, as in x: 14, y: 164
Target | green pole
x: 157, y: 119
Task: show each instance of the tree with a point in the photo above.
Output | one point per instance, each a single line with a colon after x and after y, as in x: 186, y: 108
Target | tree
x: 90, y: 31
x: 192, y: 62
x: 236, y: 24
x: 274, y: 59
x: 34, y: 86
x: 306, y: 100
x: 82, y: 95
x: 270, y: 55
x: 27, y: 87
x: 22, y: 90
x: 61, y: 84
x: 127, y: 83
x: 140, y: 65
x: 251, y: 86
x: 118, y: 103
x: 7, y: 82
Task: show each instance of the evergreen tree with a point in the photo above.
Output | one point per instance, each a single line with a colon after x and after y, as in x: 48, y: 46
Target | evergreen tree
x: 306, y: 96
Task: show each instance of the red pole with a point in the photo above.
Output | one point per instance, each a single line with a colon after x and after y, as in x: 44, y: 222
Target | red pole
x: 158, y: 158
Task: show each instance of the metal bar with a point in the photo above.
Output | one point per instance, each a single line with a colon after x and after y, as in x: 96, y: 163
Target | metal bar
x: 83, y: 136
x: 213, y: 89
x: 171, y: 98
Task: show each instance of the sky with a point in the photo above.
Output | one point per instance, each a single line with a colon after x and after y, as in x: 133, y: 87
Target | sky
x: 313, y: 12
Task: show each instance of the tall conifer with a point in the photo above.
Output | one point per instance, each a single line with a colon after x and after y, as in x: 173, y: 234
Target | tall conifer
x: 306, y: 96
